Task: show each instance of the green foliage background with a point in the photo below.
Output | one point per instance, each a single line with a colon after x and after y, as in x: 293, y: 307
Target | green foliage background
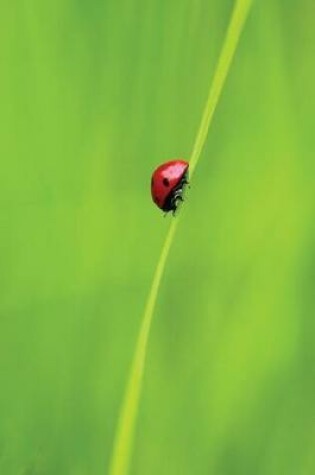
x: 93, y: 95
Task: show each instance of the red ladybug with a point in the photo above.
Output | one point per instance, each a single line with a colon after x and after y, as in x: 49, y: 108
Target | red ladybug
x: 167, y: 184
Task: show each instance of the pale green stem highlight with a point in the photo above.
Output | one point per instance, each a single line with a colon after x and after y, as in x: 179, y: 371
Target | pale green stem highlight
x: 126, y: 425
x: 239, y: 15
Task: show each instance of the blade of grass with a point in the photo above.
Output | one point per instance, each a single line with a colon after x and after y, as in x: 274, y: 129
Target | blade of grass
x: 126, y: 425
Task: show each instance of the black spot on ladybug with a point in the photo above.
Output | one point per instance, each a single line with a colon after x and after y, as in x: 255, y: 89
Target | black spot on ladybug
x: 166, y: 182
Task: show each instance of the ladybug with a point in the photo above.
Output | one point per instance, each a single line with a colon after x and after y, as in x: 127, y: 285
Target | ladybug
x: 168, y: 183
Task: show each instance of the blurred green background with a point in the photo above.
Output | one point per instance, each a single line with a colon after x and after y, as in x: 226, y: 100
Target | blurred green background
x: 93, y: 95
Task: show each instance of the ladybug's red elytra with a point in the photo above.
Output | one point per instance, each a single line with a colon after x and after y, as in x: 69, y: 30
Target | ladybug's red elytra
x: 167, y: 184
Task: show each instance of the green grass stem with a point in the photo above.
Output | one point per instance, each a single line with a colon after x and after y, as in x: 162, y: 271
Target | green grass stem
x: 123, y: 442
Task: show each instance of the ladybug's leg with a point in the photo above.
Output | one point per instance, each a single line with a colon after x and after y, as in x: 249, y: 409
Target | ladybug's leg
x: 177, y: 198
x: 185, y: 180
